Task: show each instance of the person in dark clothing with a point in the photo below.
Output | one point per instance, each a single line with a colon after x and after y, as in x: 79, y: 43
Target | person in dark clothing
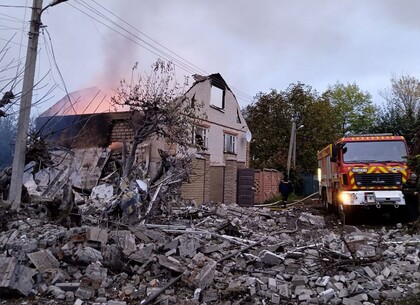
x: 285, y: 188
x: 411, y: 191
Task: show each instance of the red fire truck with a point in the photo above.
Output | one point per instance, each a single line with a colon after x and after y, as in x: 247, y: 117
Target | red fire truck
x: 363, y: 170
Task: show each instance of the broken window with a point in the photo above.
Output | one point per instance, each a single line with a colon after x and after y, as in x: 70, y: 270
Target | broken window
x: 230, y: 143
x: 217, y: 97
x: 238, y: 117
x: 200, y: 137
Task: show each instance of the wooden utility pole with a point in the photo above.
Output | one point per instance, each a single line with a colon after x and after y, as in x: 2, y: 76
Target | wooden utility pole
x: 16, y: 183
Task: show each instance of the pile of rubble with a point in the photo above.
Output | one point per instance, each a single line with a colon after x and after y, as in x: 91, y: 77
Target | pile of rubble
x: 211, y: 254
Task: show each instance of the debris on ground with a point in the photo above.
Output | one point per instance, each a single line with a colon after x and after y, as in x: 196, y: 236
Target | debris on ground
x: 211, y: 254
x: 91, y: 236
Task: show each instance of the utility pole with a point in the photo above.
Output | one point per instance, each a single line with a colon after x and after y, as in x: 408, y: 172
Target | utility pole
x: 292, y: 138
x: 16, y: 183
x: 294, y: 145
x: 294, y: 148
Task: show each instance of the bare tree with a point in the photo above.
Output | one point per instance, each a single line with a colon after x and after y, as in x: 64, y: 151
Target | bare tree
x: 162, y: 111
x: 401, y: 113
x: 404, y: 95
x: 6, y: 84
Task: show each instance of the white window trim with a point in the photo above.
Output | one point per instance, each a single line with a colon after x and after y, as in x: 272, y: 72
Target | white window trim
x: 216, y: 97
x: 229, y: 143
x: 204, y: 134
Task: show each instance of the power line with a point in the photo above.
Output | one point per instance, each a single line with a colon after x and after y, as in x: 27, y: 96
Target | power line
x: 201, y: 70
x: 11, y: 20
x: 11, y: 17
x: 180, y: 61
x: 10, y: 28
x: 14, y: 6
x: 149, y: 45
x: 134, y: 28
x: 58, y: 69
x: 19, y: 44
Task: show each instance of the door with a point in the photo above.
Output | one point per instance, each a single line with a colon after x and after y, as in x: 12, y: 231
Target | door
x: 245, y: 189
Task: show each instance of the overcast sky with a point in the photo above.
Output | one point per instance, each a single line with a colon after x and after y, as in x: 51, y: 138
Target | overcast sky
x: 254, y: 45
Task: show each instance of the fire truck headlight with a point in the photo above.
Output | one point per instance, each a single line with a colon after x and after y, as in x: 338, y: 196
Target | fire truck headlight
x: 347, y: 198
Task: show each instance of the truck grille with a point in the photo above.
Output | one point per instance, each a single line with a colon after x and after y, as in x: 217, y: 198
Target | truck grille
x: 378, y: 180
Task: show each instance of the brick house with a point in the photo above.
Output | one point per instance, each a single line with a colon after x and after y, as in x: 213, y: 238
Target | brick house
x: 221, y: 139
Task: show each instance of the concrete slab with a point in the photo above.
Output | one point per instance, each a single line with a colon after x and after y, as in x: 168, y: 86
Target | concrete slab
x: 43, y: 260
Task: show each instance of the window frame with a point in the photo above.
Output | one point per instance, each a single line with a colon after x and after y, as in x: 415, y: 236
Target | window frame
x: 230, y: 147
x: 212, y: 99
x: 204, y: 135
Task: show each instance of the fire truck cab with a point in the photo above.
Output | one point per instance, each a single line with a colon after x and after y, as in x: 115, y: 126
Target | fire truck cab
x: 363, y: 170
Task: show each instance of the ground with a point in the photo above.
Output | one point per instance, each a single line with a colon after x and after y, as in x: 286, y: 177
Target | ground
x: 366, y: 220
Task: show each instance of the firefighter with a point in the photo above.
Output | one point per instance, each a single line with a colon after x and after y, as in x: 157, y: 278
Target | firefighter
x: 285, y: 188
x: 411, y: 191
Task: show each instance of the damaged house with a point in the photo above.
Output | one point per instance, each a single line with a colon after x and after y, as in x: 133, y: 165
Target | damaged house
x: 92, y: 134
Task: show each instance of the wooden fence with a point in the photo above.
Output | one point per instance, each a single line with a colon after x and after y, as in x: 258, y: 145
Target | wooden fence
x: 266, y: 183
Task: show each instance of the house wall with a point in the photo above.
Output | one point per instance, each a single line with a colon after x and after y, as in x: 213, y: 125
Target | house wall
x: 121, y: 131
x: 198, y: 187
x: 217, y: 174
x: 219, y: 122
x: 230, y: 181
x: 212, y: 183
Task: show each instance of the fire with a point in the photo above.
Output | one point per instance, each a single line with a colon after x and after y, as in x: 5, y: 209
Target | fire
x: 85, y: 101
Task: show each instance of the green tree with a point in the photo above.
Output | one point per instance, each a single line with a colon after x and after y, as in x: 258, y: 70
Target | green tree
x: 8, y: 131
x: 268, y: 137
x: 269, y: 118
x: 353, y: 109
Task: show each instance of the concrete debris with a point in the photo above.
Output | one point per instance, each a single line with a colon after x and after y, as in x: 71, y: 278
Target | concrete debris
x: 14, y: 277
x: 210, y: 254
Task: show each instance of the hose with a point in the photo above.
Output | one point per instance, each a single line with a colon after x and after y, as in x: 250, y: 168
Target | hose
x: 279, y: 201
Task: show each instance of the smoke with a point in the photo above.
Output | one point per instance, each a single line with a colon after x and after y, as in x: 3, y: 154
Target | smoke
x: 255, y: 46
x: 118, y: 51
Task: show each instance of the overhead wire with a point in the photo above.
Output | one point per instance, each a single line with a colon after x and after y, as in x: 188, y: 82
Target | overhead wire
x: 150, y: 47
x: 12, y: 18
x: 12, y: 42
x: 14, y: 6
x: 7, y: 28
x: 237, y: 91
x: 58, y: 69
x: 157, y: 50
x: 18, y: 97
x: 137, y: 30
x: 68, y: 96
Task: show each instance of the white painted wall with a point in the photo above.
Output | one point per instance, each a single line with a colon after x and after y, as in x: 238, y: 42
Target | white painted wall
x: 220, y: 121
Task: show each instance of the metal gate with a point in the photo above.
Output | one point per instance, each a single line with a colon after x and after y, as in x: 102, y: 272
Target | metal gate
x: 245, y: 191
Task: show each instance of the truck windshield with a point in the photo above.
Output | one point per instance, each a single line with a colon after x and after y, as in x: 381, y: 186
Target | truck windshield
x: 381, y: 151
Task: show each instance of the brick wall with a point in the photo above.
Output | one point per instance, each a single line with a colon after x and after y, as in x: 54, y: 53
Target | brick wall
x: 242, y: 165
x: 216, y: 182
x: 207, y: 185
x: 121, y: 131
x: 194, y: 190
x: 230, y: 181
